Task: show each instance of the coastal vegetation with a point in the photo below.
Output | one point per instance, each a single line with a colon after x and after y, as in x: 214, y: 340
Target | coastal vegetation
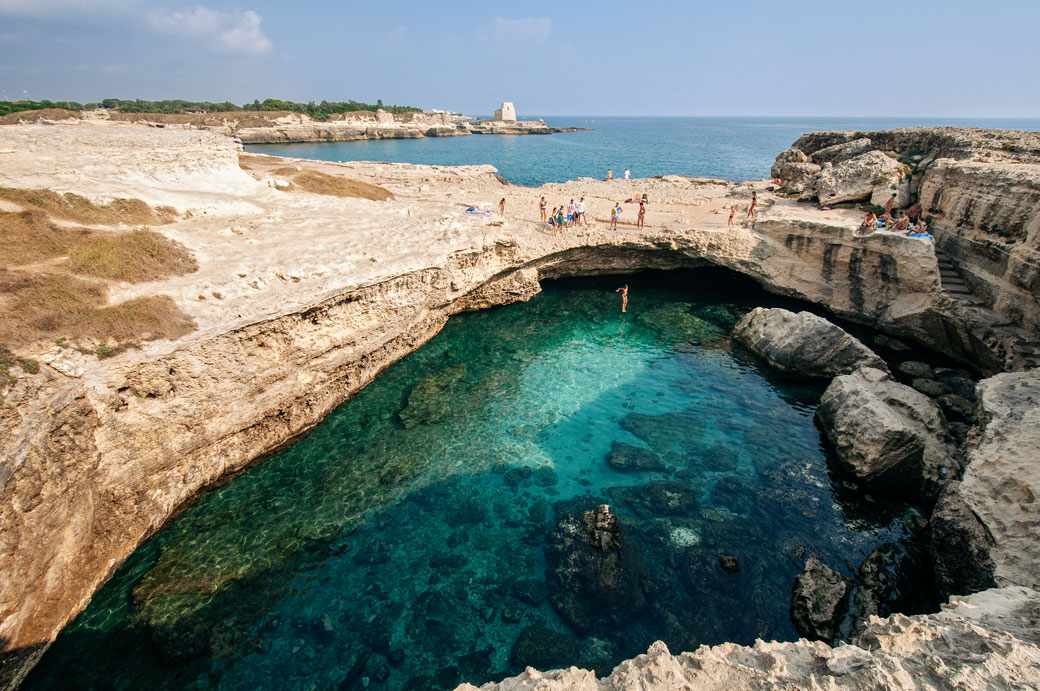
x: 41, y: 299
x: 332, y: 185
x: 318, y: 111
x: 73, y: 207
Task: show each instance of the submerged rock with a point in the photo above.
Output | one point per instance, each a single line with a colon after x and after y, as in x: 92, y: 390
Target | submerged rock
x: 887, y: 434
x: 624, y: 456
x: 428, y: 400
x: 666, y: 432
x: 729, y: 564
x: 540, y: 646
x: 803, y: 343
x: 594, y: 573
x: 657, y: 499
x: 819, y: 601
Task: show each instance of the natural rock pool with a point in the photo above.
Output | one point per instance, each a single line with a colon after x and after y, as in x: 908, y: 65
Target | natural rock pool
x: 419, y: 537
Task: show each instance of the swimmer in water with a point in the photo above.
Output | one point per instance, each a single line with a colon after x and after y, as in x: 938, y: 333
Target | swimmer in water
x: 624, y: 297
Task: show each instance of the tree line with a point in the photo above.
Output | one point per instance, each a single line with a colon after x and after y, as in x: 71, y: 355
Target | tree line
x: 318, y: 111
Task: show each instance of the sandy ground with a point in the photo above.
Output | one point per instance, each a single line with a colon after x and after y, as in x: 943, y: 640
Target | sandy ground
x: 263, y: 251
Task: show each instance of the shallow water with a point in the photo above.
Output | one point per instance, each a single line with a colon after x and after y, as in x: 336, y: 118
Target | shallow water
x: 402, y: 544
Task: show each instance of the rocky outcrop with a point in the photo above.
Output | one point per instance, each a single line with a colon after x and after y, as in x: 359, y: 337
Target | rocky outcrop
x: 819, y: 601
x: 803, y: 343
x: 988, y: 640
x: 843, y: 151
x: 980, y: 193
x: 856, y: 179
x: 984, y: 528
x: 593, y: 572
x: 887, y: 434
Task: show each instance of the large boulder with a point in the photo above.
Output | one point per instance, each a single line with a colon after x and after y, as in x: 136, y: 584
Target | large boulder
x: 593, y: 572
x: 803, y: 343
x: 819, y: 601
x: 540, y: 646
x: 887, y: 434
x: 788, y: 156
x: 855, y: 179
x: 843, y: 151
x: 796, y: 176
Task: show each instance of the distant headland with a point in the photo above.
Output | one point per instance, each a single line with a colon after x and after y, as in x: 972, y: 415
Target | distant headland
x: 283, y: 122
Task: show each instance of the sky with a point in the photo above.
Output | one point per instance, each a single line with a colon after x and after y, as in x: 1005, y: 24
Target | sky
x: 949, y: 58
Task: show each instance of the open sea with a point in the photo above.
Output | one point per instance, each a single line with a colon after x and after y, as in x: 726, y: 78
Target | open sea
x: 730, y: 148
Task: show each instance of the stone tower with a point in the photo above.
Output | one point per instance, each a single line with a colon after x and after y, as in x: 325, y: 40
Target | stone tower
x: 506, y: 112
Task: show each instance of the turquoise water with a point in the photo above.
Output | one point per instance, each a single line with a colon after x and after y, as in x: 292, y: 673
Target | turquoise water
x: 403, y: 543
x: 733, y: 148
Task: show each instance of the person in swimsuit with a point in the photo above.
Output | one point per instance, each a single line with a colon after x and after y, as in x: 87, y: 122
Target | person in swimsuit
x: 890, y: 204
x: 615, y: 214
x: 751, y: 209
x: 624, y: 297
x: 915, y: 212
x: 541, y: 209
x: 610, y: 175
x: 732, y: 213
x: 869, y: 223
x: 502, y: 206
x: 903, y: 223
x: 642, y: 214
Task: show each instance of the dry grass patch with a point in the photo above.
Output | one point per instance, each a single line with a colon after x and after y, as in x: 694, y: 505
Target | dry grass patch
x: 135, y: 257
x: 37, y: 115
x: 322, y: 183
x: 29, y: 236
x: 47, y: 307
x: 72, y: 207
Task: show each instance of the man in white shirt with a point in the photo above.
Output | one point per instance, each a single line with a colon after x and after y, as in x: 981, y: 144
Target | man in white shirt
x: 628, y: 174
x: 579, y: 212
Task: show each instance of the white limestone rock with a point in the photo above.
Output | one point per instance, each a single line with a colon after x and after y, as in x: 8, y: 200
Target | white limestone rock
x: 803, y: 343
x: 855, y: 179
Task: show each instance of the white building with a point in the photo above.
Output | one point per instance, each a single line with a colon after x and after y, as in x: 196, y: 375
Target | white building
x: 506, y: 112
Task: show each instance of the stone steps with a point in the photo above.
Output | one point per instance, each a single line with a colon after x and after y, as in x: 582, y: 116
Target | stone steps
x: 1014, y: 346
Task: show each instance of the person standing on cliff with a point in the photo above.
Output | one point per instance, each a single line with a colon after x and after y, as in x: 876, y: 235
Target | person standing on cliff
x: 751, y: 209
x: 615, y: 214
x: 541, y: 209
x: 890, y: 204
x: 642, y: 213
x: 502, y: 206
x: 732, y: 213
x: 624, y: 297
x: 914, y: 212
x: 628, y: 174
x: 610, y: 175
x: 579, y: 209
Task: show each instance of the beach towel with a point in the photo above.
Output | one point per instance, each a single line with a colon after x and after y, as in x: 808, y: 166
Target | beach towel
x: 479, y: 212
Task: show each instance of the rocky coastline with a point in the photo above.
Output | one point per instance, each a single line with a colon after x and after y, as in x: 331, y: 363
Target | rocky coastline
x: 103, y: 452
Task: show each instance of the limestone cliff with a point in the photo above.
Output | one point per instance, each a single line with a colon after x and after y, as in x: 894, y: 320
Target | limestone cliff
x: 105, y: 453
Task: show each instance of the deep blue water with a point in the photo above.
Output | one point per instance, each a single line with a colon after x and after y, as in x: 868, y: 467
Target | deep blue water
x: 730, y: 148
x: 407, y: 541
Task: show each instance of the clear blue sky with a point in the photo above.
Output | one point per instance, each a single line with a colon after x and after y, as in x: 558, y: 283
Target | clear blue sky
x: 950, y: 58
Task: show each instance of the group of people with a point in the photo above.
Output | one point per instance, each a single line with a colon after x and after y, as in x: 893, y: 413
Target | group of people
x: 909, y: 222
x: 750, y: 217
x: 573, y: 213
x: 557, y: 220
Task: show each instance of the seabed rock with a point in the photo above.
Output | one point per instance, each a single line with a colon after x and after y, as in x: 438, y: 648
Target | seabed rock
x: 624, y: 456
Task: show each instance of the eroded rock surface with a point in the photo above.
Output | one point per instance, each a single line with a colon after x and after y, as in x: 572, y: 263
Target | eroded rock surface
x: 987, y: 641
x: 803, y: 343
x: 984, y: 530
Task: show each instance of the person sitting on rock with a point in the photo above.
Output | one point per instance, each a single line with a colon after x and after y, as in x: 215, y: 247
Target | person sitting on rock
x: 915, y: 212
x: 886, y: 220
x: 869, y: 222
x: 903, y: 224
